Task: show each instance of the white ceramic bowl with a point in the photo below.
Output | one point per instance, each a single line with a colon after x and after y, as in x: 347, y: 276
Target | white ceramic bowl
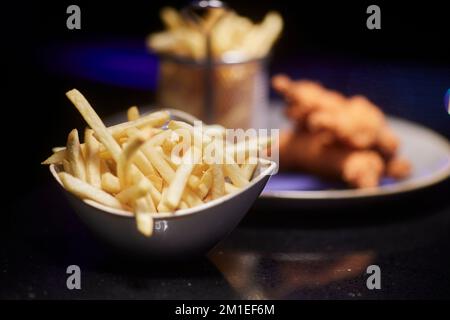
x: 187, y: 232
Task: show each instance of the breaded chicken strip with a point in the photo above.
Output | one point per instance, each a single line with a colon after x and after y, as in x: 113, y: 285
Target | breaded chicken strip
x: 354, y: 121
x: 319, y: 154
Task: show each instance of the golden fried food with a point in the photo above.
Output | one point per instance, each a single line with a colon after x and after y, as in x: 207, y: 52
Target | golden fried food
x: 337, y: 136
x: 230, y: 34
x: 398, y: 168
x: 152, y: 165
x: 318, y: 154
x: 354, y: 121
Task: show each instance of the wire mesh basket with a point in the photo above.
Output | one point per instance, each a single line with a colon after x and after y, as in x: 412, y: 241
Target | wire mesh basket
x: 234, y: 95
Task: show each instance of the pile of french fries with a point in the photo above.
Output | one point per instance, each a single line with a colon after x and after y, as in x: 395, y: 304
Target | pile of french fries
x: 130, y: 166
x: 230, y: 33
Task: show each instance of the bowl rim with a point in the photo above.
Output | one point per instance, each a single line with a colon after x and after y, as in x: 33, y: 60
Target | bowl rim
x: 268, y: 171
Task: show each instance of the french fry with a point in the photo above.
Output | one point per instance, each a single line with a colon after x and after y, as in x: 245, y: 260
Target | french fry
x: 248, y: 168
x: 139, y: 159
x: 74, y: 155
x: 104, y: 166
x: 131, y: 193
x: 158, y: 138
x: 110, y: 183
x: 105, y: 155
x: 148, y: 148
x: 183, y: 205
x: 162, y: 204
x: 98, y: 126
x: 156, y: 180
x: 179, y: 181
x: 195, y: 183
x: 147, y: 132
x: 199, y: 187
x: 198, y: 138
x: 56, y: 158
x: 94, y: 121
x: 144, y: 219
x: 200, y: 169
x: 218, y: 185
x: 171, y: 18
x: 126, y: 157
x: 133, y: 113
x: 83, y: 150
x: 150, y: 204
x: 188, y: 196
x: 232, y: 171
x: 122, y: 140
x: 206, y: 181
x: 158, y: 161
x: 250, y: 148
x: 212, y: 17
x: 260, y: 38
x: 86, y: 191
x: 66, y: 166
x: 229, y: 188
x: 192, y: 42
x: 155, y: 119
x: 138, y: 177
x: 165, y: 42
x: 144, y: 222
x: 168, y: 158
x: 92, y: 160
x: 216, y: 131
x: 191, y: 198
x: 56, y: 149
x: 167, y: 146
x: 272, y: 26
x: 226, y: 33
x: 143, y: 164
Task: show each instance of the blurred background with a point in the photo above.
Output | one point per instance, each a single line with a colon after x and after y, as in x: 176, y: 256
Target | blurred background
x: 404, y: 67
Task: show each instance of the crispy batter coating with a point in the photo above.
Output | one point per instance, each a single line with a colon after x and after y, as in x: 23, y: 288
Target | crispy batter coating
x: 337, y: 136
x: 354, y: 121
x: 398, y: 168
x: 318, y: 154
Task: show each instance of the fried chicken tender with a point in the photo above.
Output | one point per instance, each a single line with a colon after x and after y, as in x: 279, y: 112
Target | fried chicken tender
x: 317, y: 153
x: 336, y: 136
x: 354, y: 121
x: 398, y: 168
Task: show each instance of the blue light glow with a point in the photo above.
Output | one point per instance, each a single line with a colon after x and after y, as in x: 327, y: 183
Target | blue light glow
x: 123, y: 63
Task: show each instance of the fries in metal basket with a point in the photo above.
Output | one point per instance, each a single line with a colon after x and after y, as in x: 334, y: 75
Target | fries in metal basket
x: 230, y: 33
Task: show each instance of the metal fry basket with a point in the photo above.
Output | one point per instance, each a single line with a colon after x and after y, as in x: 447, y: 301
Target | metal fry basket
x: 235, y: 96
x: 232, y: 92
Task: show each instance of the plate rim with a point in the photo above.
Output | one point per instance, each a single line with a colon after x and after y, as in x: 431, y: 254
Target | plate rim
x: 398, y: 188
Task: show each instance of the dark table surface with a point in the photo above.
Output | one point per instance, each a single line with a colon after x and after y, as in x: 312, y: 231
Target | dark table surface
x: 275, y: 252
x: 280, y: 254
